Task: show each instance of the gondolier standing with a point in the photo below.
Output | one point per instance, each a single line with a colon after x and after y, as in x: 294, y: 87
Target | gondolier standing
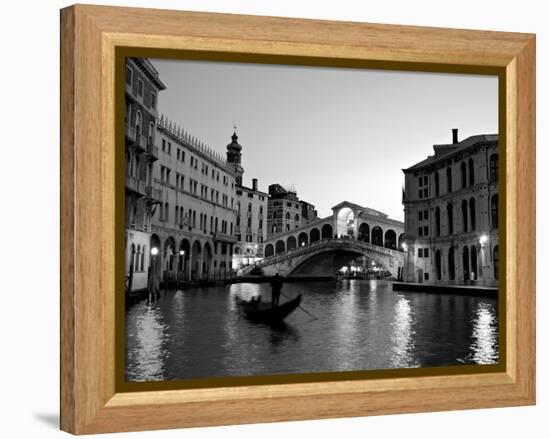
x: 276, y: 287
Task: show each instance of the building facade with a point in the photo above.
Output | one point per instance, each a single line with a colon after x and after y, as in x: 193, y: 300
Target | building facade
x: 141, y: 153
x: 286, y: 212
x: 451, y: 214
x: 251, y: 212
x: 194, y: 219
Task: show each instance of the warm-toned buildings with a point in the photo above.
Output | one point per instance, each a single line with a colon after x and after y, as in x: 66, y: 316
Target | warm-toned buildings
x: 142, y: 89
x: 451, y: 214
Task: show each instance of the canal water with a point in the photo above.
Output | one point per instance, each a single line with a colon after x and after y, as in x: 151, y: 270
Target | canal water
x: 360, y: 325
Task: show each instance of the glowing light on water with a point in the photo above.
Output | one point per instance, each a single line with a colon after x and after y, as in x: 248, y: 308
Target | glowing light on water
x: 403, y: 335
x: 484, y: 346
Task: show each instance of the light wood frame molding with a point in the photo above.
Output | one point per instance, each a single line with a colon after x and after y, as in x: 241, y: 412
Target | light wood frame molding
x: 89, y: 36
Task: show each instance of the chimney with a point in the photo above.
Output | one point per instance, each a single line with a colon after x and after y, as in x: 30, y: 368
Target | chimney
x: 255, y: 184
x: 455, y: 135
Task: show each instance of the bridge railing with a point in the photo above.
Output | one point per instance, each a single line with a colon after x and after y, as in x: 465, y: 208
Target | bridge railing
x: 334, y: 243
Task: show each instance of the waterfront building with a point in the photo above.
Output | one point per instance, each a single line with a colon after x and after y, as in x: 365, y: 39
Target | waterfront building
x: 251, y: 225
x: 309, y: 214
x: 194, y: 219
x: 451, y: 214
x: 141, y: 90
x: 286, y: 212
x: 250, y: 210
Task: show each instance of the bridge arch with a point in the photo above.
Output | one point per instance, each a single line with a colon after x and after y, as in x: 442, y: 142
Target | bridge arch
x: 279, y: 246
x: 314, y: 235
x: 390, y: 239
x: 345, y: 219
x: 327, y: 261
x: 269, y: 250
x: 326, y: 231
x: 377, y: 237
x: 291, y: 243
x: 363, y: 232
x: 303, y: 239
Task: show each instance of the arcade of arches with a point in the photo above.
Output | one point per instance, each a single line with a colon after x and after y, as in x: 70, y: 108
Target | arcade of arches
x: 187, y: 261
x: 376, y: 236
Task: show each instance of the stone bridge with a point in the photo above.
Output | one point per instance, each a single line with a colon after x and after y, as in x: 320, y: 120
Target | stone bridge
x: 325, y: 257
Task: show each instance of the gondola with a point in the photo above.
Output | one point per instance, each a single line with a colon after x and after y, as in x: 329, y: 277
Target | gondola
x: 263, y: 312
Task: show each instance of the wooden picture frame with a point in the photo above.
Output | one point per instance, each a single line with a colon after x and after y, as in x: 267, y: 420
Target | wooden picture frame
x: 91, y: 402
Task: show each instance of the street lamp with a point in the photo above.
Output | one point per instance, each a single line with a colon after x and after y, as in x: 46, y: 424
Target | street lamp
x: 153, y: 268
x: 404, y: 247
x: 483, y: 239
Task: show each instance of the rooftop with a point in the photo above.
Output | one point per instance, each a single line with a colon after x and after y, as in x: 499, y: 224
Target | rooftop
x: 446, y: 151
x: 191, y: 141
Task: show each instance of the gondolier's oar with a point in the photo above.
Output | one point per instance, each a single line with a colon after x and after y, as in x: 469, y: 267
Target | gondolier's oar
x: 300, y: 306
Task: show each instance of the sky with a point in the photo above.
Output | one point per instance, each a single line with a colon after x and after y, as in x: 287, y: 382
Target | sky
x: 334, y: 134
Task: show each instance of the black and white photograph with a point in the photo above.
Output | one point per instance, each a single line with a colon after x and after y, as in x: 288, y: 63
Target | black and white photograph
x: 285, y: 219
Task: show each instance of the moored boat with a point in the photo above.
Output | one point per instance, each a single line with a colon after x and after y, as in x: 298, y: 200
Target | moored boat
x: 263, y: 312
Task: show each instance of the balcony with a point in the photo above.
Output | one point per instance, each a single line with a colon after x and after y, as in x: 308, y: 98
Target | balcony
x: 153, y: 193
x: 130, y: 134
x: 136, y: 186
x: 222, y: 237
x: 152, y: 150
x: 136, y: 140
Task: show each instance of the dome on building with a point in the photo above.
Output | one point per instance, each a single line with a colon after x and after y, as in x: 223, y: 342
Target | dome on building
x: 234, y: 145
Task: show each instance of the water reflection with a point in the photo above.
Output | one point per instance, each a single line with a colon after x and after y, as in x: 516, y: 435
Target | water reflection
x: 145, y: 344
x: 403, y: 335
x: 484, y: 347
x: 360, y: 325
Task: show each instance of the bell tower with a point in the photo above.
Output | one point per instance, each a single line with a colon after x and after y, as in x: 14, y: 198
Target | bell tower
x: 234, y: 156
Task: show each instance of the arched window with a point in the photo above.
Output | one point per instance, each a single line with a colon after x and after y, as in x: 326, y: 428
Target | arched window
x: 138, y: 124
x: 493, y: 167
x: 150, y: 134
x: 438, y: 264
x: 326, y: 231
x: 449, y: 180
x: 274, y: 214
x: 296, y: 217
x: 495, y: 262
x: 471, y: 172
x: 494, y: 211
x: 451, y: 263
x: 436, y: 182
x: 464, y: 207
x: 450, y: 218
x: 463, y: 174
x: 472, y: 213
x: 287, y: 215
x: 437, y: 222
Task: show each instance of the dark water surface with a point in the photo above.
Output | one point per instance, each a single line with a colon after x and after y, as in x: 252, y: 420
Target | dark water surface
x: 361, y: 325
